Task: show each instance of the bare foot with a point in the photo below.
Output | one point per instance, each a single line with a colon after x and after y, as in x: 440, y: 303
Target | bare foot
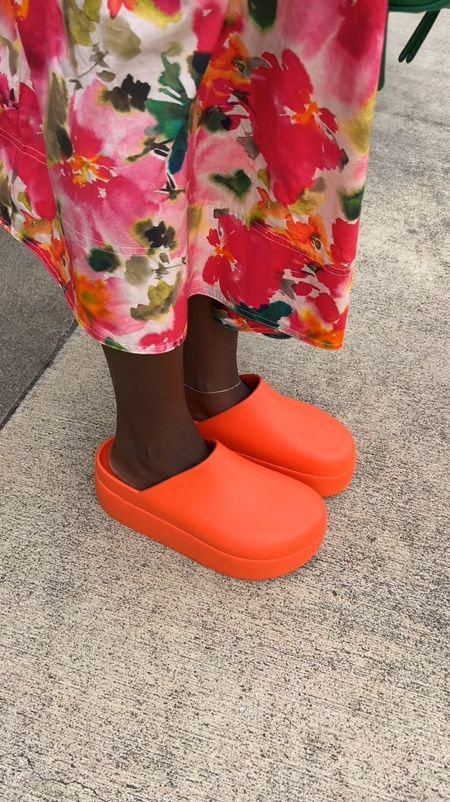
x: 149, y: 464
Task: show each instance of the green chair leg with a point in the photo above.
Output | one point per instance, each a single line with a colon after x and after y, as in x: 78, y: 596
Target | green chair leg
x: 382, y: 77
x: 417, y: 39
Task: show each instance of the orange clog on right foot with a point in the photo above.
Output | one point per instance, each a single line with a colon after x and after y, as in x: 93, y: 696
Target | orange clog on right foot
x: 227, y: 513
x: 286, y: 435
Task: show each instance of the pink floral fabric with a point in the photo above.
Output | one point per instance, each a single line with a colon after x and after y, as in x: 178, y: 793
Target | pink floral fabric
x: 151, y: 150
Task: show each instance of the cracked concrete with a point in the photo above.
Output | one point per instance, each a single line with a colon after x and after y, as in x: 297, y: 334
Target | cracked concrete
x: 61, y: 781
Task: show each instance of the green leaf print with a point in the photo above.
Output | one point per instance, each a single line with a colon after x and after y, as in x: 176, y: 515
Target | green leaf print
x: 5, y: 198
x: 173, y: 125
x: 129, y: 95
x: 173, y: 114
x: 137, y: 269
x: 155, y: 237
x: 161, y: 298
x: 197, y: 64
x: 80, y: 22
x: 113, y: 344
x: 351, y: 204
x: 92, y: 9
x: 179, y: 149
x: 263, y: 12
x: 238, y: 182
x: 13, y: 54
x: 170, y: 77
x: 103, y: 259
x: 170, y: 117
x: 120, y: 39
x: 106, y: 75
x: 24, y: 200
x: 215, y: 120
x: 57, y: 140
x: 277, y: 335
x: 268, y: 313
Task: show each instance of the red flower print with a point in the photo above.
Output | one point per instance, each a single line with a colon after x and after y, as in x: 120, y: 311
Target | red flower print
x: 327, y: 308
x: 345, y: 240
x: 29, y: 162
x: 250, y: 261
x: 169, y: 335
x: 223, y: 81
x: 310, y: 238
x: 247, y: 265
x: 359, y: 22
x: 282, y: 109
x: 352, y: 39
x: 338, y: 284
x: 99, y: 184
x: 303, y: 288
x: 43, y: 35
x: 207, y: 22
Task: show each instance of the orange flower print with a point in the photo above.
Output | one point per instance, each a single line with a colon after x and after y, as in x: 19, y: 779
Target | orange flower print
x: 148, y: 9
x: 114, y: 6
x: 21, y: 8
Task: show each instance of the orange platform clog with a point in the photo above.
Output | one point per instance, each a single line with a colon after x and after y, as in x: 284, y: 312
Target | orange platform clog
x: 286, y: 435
x: 227, y: 513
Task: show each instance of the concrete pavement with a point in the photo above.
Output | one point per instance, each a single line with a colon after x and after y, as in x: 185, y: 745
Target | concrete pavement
x: 129, y: 674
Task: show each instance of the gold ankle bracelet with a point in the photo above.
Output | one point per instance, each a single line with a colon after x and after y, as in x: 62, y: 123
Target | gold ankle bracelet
x: 213, y: 392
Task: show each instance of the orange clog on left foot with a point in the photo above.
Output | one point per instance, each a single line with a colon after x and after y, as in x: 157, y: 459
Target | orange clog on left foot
x: 286, y: 435
x: 226, y: 513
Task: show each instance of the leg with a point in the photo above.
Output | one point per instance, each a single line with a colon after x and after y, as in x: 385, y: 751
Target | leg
x: 155, y: 436
x: 210, y: 361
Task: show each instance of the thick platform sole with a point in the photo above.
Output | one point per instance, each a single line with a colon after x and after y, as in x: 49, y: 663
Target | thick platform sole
x: 183, y: 542
x: 327, y: 486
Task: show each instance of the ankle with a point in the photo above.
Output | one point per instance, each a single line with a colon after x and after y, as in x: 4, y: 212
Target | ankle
x: 206, y: 404
x: 144, y: 462
x: 211, y: 382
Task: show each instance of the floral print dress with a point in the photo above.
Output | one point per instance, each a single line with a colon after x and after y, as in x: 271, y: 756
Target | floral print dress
x: 151, y: 150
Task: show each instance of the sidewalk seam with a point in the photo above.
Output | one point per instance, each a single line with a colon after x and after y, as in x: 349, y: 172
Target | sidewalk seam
x: 48, y: 362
